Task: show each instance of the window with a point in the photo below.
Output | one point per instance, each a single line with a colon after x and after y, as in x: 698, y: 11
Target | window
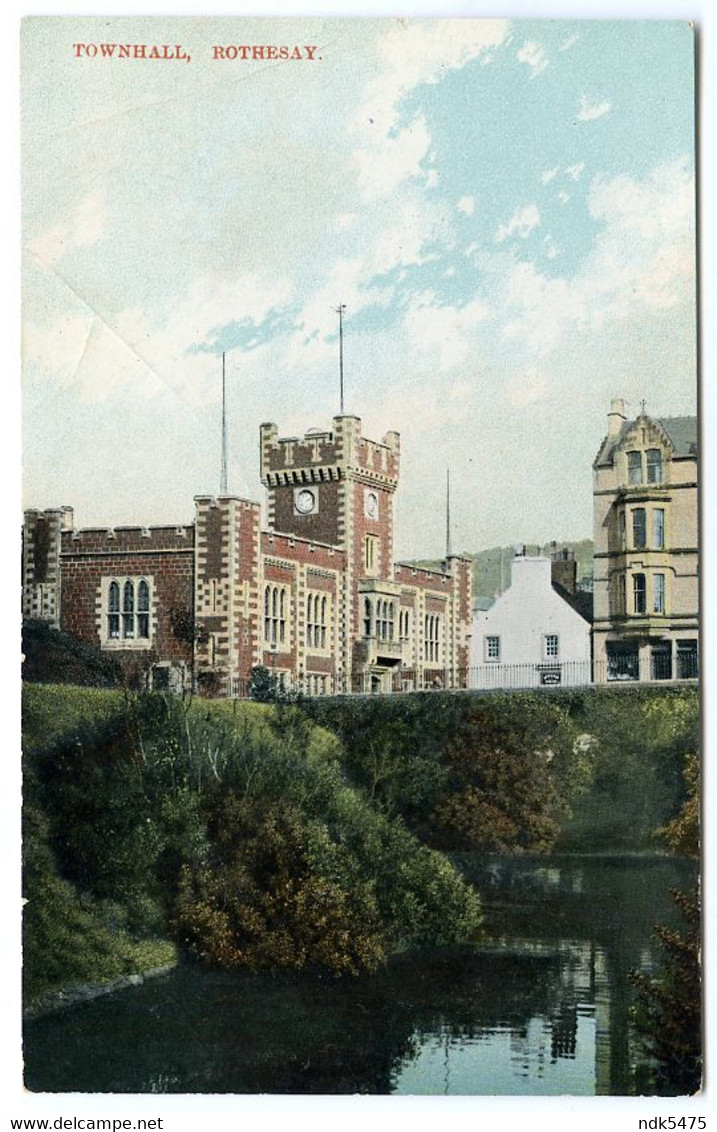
x: 552, y: 646
x: 654, y: 465
x: 623, y: 661
x: 384, y: 619
x: 687, y: 662
x: 621, y: 594
x: 275, y: 615
x: 432, y: 636
x: 316, y: 619
x: 128, y: 609
x: 658, y: 593
x: 370, y: 552
x: 403, y: 624
x: 639, y: 593
x: 113, y: 617
x: 634, y: 467
x: 658, y: 528
x: 367, y: 618
x: 661, y: 661
x: 623, y: 531
x: 492, y: 648
x: 639, y: 528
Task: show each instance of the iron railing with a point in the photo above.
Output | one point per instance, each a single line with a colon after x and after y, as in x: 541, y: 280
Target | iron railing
x: 658, y: 668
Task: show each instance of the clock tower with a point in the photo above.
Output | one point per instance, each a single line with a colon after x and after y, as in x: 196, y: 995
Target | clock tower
x: 336, y: 488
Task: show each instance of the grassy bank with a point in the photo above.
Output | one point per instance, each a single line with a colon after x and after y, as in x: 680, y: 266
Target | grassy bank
x: 227, y: 830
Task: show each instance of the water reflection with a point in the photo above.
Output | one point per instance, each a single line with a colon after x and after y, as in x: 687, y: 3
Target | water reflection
x: 541, y: 1008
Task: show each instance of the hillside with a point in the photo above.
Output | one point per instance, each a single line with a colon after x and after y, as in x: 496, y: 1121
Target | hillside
x: 489, y: 565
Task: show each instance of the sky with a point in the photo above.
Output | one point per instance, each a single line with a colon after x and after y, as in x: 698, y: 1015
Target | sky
x: 505, y: 207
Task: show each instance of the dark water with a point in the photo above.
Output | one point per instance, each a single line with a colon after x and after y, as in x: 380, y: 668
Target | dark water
x: 541, y: 1008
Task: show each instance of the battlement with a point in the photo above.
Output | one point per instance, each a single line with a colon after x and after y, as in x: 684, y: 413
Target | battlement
x: 129, y: 540
x: 321, y: 456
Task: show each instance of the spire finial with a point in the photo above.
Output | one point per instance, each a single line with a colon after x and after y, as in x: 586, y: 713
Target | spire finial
x: 339, y: 310
x: 448, y: 513
x: 223, y: 490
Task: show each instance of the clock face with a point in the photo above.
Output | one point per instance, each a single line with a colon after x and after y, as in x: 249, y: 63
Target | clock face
x: 305, y: 502
x: 372, y: 505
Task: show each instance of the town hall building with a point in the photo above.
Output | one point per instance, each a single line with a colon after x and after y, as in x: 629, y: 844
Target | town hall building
x: 316, y: 597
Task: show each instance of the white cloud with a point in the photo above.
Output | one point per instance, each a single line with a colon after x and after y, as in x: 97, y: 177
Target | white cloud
x: 466, y: 205
x: 411, y: 53
x: 552, y: 251
x: 549, y: 175
x: 568, y: 43
x: 642, y: 262
x: 575, y: 171
x: 432, y: 178
x: 392, y: 159
x: 527, y: 387
x: 443, y: 332
x: 83, y: 229
x: 533, y: 55
x: 589, y: 111
x: 521, y: 224
x: 563, y: 197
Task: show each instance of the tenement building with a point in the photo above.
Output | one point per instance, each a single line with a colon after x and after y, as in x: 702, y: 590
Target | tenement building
x: 646, y: 549
x: 316, y: 597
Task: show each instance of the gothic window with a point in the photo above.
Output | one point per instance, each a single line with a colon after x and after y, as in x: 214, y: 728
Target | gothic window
x: 367, y: 618
x: 370, y: 550
x: 274, y: 615
x: 143, y: 609
x: 316, y: 619
x: 113, y: 616
x: 639, y: 529
x: 128, y: 609
x: 432, y: 636
x: 623, y: 531
x: 658, y: 528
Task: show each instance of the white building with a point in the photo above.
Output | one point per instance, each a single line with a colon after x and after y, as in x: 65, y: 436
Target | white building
x: 531, y: 635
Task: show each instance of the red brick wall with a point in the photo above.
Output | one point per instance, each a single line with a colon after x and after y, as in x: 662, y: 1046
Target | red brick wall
x: 323, y: 526
x: 171, y: 575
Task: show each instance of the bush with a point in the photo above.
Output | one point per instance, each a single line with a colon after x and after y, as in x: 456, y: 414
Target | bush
x: 52, y: 657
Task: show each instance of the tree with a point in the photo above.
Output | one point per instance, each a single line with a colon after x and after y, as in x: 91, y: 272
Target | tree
x: 668, y: 1013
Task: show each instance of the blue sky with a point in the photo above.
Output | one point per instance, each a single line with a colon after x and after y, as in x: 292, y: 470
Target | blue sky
x: 506, y: 208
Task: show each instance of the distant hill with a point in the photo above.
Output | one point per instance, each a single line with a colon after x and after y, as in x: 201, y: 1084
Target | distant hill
x: 491, y: 568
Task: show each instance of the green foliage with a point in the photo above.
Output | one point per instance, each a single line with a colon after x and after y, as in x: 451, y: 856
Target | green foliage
x: 682, y: 834
x: 234, y: 825
x: 639, y: 739
x: 68, y: 937
x: 668, y: 1013
x: 52, y: 657
x: 50, y: 711
x: 266, y: 687
x: 466, y: 772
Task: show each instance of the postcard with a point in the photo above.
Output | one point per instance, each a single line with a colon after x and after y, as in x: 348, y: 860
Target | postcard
x: 360, y: 558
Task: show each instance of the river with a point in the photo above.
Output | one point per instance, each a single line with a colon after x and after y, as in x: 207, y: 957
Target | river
x: 541, y: 1008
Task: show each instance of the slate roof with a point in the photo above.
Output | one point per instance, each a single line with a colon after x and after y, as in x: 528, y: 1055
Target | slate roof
x: 581, y: 601
x: 682, y: 431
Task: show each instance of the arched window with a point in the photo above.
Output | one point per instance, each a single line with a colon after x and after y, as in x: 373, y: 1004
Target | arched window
x: 324, y: 606
x: 113, y: 616
x: 128, y: 610
x: 143, y: 609
x: 366, y: 618
x: 274, y: 615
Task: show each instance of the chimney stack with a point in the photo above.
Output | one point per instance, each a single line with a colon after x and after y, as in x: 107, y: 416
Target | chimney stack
x: 616, y: 417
